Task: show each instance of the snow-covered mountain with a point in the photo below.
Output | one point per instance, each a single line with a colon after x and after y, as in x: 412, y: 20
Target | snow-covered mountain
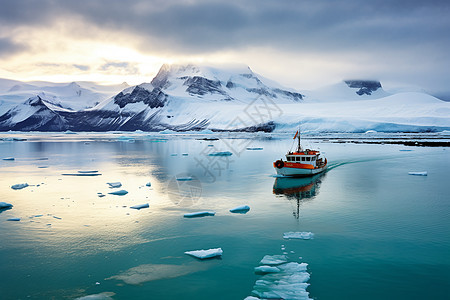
x: 196, y: 97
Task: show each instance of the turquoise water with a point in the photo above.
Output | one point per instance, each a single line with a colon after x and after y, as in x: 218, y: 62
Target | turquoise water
x: 379, y: 232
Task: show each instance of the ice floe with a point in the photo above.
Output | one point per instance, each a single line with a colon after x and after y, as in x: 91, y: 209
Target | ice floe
x: 289, y: 283
x: 9, y: 158
x: 254, y: 148
x: 140, y: 206
x: 81, y: 174
x: 273, y: 260
x: 223, y: 153
x: 4, y: 205
x: 199, y: 214
x: 266, y: 269
x: 298, y: 235
x: 148, y: 184
x: 101, y: 296
x: 202, y: 254
x: 424, y: 173
x: 88, y: 172
x: 114, y: 184
x: 184, y: 178
x: 151, y: 272
x: 19, y: 186
x: 243, y: 209
x: 13, y: 219
x: 119, y: 193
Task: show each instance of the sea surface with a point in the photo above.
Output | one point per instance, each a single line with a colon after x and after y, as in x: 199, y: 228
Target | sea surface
x: 379, y: 233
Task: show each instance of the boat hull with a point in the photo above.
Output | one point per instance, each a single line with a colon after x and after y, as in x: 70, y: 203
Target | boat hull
x: 299, y: 172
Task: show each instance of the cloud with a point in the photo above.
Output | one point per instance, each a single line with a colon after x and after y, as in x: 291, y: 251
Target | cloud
x: 119, y: 67
x: 81, y: 67
x: 9, y: 47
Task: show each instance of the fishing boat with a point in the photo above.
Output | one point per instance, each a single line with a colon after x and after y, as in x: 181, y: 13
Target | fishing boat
x: 301, y: 163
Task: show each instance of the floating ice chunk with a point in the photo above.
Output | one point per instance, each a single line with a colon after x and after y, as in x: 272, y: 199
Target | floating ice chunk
x: 57, y: 217
x: 81, y: 174
x: 223, y: 153
x: 9, y: 158
x: 202, y: 254
x: 185, y: 154
x: 173, y: 154
x: 101, y: 296
x: 424, y: 173
x: 199, y: 214
x: 88, y: 172
x: 114, y: 184
x: 43, y: 167
x: 139, y: 206
x: 148, y: 184
x: 273, y: 260
x: 13, y: 219
x: 184, y: 178
x: 405, y: 150
x: 254, y: 148
x: 119, y: 193
x: 251, y: 298
x: 298, y: 235
x: 69, y: 132
x: 4, y: 205
x: 19, y: 186
x: 243, y: 209
x: 266, y: 269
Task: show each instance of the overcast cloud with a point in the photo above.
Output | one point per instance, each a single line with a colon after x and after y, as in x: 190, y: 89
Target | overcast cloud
x: 398, y: 41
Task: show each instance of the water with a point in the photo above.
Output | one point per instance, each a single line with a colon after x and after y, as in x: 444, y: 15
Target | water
x: 379, y: 232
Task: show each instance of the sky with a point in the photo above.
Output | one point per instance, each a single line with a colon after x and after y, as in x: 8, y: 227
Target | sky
x: 302, y: 44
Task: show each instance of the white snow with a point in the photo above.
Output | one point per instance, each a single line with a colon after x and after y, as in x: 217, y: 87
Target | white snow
x: 298, y: 235
x: 240, y: 209
x: 114, y: 184
x: 19, y: 186
x: 202, y: 254
x: 140, y: 206
x: 423, y: 173
x: 199, y: 214
x: 273, y: 260
x: 119, y: 193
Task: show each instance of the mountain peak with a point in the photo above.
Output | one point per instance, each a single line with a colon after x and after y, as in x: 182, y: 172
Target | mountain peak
x: 365, y: 87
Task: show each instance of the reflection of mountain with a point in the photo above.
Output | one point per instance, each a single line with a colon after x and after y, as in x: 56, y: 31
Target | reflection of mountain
x: 298, y: 189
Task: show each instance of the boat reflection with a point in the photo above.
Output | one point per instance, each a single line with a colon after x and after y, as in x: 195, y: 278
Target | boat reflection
x: 298, y: 190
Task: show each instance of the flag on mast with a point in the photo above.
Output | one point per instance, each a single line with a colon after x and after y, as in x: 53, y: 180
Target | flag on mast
x: 295, y: 134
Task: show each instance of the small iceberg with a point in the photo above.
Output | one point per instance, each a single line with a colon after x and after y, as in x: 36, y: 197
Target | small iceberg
x: 185, y: 154
x: 223, y: 153
x: 298, y: 235
x: 266, y: 270
x: 88, y: 172
x: 101, y: 296
x: 200, y: 214
x: 254, y: 148
x: 4, y: 205
x: 243, y: 209
x: 9, y: 158
x: 202, y: 254
x: 272, y: 260
x: 119, y: 193
x: 19, y: 186
x: 173, y: 154
x: 114, y: 184
x: 69, y: 132
x: 81, y: 174
x: 424, y: 173
x: 148, y: 184
x: 13, y: 219
x: 139, y: 206
x: 184, y: 178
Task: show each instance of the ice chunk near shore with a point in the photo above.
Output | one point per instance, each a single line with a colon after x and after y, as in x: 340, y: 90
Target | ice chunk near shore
x: 4, y: 205
x: 19, y: 186
x: 101, y: 296
x: 140, y: 206
x: 424, y: 173
x: 199, y: 214
x: 298, y: 235
x: 119, y: 193
x: 243, y: 209
x: 223, y: 153
x: 202, y: 254
x: 114, y: 184
x: 9, y: 158
x: 272, y: 260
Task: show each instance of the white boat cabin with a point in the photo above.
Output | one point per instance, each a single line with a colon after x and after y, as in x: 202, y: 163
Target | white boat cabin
x: 309, y: 157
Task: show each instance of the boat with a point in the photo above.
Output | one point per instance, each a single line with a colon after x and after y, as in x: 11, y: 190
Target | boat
x: 301, y: 163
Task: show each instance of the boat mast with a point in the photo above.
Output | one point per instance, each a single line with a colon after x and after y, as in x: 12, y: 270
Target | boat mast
x: 299, y: 148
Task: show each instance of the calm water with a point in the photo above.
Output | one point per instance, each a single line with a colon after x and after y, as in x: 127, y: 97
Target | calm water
x: 379, y: 232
